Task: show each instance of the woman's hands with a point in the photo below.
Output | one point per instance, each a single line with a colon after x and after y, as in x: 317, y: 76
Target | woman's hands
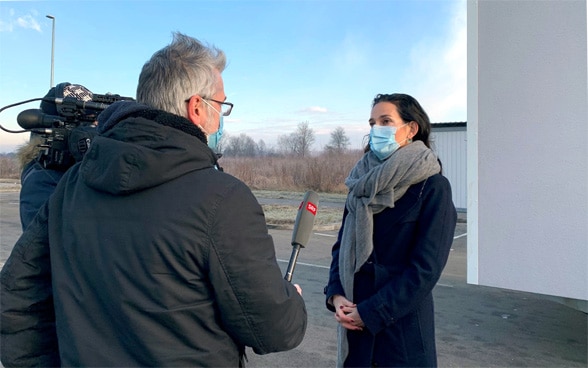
x: 346, y: 313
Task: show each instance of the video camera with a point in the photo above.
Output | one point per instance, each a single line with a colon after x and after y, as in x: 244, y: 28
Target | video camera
x: 65, y: 123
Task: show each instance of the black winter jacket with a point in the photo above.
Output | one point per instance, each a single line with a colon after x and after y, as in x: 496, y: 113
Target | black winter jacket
x: 157, y: 258
x: 393, y: 289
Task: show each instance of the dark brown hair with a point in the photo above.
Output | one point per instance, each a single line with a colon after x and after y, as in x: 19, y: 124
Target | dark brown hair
x: 409, y: 110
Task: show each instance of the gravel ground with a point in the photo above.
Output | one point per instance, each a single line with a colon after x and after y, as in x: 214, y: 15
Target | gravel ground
x: 280, y: 207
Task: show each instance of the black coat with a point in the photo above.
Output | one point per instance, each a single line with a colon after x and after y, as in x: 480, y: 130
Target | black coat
x: 393, y: 290
x: 157, y: 258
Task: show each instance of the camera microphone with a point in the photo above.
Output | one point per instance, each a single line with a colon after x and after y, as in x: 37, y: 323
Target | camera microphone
x: 302, y: 228
x: 35, y: 118
x: 78, y: 103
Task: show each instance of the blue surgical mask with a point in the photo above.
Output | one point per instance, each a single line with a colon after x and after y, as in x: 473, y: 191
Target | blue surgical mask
x: 214, y: 138
x: 383, y: 141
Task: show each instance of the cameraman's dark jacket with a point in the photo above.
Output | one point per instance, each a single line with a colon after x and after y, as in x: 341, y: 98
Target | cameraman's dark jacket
x: 37, y: 182
x: 157, y: 258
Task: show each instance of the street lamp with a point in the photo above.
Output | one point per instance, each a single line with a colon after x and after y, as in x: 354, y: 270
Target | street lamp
x: 52, y: 47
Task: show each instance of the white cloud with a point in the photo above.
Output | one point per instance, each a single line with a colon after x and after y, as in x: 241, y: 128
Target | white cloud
x: 315, y: 109
x: 28, y: 22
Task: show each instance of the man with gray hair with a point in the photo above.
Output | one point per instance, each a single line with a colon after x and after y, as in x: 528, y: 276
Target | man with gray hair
x: 157, y: 257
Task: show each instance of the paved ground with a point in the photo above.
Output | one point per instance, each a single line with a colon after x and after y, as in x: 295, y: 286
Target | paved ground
x: 476, y: 326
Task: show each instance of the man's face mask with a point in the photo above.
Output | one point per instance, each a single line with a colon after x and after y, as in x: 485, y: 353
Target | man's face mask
x: 214, y: 138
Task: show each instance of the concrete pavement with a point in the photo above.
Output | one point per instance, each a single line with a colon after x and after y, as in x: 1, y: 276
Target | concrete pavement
x: 475, y: 326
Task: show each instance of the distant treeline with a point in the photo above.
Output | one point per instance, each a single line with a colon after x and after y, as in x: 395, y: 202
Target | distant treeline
x: 9, y: 166
x: 291, y: 165
x: 324, y: 172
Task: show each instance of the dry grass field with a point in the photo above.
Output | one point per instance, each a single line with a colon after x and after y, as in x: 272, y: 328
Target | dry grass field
x: 281, y: 208
x: 280, y: 181
x: 324, y: 173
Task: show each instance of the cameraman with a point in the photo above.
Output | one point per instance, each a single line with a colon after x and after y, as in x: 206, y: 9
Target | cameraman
x: 37, y: 183
x: 39, y: 176
x: 157, y: 257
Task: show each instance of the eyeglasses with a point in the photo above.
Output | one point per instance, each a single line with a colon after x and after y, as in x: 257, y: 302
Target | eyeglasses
x: 226, y: 107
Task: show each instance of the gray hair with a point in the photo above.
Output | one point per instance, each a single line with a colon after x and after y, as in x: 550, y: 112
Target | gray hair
x: 184, y: 68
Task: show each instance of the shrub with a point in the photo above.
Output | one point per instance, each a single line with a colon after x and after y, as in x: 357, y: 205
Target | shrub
x: 9, y: 167
x: 323, y: 173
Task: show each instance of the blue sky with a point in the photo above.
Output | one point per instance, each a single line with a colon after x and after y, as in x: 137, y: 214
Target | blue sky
x: 291, y: 61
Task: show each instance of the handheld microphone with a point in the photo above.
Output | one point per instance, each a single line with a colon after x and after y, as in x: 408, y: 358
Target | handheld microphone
x: 35, y: 118
x: 302, y: 228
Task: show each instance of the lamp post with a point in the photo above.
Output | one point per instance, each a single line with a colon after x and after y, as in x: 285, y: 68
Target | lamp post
x: 52, y: 47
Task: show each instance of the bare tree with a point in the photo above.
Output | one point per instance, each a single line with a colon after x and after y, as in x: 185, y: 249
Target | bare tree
x: 339, y: 141
x: 240, y: 146
x: 287, y: 143
x: 262, y: 148
x: 305, y: 138
x: 298, y: 143
x: 222, y: 142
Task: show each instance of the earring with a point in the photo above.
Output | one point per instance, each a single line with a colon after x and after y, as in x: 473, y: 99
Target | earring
x: 409, y: 140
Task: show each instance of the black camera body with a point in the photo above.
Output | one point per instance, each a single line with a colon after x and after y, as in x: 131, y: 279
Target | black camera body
x: 64, y: 125
x: 67, y: 136
x: 56, y: 153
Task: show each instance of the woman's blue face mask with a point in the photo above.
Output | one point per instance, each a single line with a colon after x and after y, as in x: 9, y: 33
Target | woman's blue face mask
x: 383, y: 141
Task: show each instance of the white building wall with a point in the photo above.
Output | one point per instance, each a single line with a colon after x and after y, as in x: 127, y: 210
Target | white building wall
x: 527, y: 136
x: 450, y: 144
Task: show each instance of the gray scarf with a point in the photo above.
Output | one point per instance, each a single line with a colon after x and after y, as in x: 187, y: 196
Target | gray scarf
x: 374, y: 186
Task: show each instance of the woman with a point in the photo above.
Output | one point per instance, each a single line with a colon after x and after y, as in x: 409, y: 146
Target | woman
x: 398, y: 227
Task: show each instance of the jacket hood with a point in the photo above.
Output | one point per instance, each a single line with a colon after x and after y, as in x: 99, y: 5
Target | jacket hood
x: 140, y: 148
x: 29, y: 151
